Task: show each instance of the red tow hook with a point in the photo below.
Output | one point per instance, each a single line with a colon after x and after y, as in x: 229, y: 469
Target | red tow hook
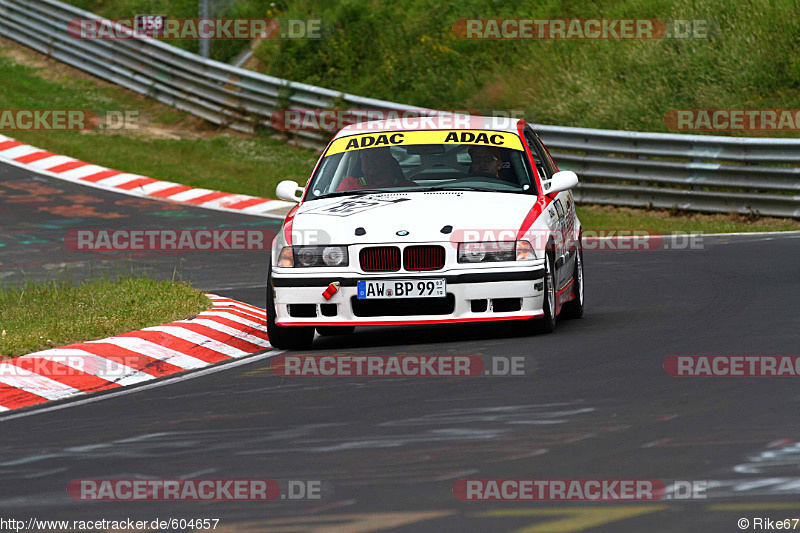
x: 332, y: 289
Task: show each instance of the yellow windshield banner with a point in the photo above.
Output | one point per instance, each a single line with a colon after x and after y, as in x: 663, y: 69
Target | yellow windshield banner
x: 499, y: 139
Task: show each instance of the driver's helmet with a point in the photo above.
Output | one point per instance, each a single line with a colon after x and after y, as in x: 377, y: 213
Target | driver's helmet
x: 482, y: 155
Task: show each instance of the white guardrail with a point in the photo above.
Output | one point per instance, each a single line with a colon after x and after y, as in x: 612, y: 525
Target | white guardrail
x: 687, y: 172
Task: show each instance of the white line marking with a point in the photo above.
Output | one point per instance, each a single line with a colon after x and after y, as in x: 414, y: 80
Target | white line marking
x: 224, y: 201
x: 81, y: 172
x: 168, y: 381
x: 684, y: 235
x: 34, y: 383
x: 227, y: 302
x: 152, y: 188
x: 52, y: 161
x: 191, y: 194
x: 750, y: 234
x: 152, y: 349
x: 19, y: 151
x: 95, y: 365
x: 113, y: 181
x: 248, y: 314
x: 229, y: 316
x: 199, y: 339
x: 239, y: 334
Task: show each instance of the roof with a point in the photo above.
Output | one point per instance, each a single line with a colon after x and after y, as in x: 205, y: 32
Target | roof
x: 399, y: 122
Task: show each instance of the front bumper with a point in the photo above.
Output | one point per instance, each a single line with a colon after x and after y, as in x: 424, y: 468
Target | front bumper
x: 507, y: 292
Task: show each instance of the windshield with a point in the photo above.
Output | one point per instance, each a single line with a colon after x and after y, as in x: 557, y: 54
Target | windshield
x: 422, y: 161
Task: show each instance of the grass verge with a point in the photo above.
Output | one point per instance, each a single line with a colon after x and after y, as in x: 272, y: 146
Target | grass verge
x: 40, y: 315
x: 167, y: 144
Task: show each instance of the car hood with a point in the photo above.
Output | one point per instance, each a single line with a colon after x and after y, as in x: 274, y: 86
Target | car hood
x: 422, y: 214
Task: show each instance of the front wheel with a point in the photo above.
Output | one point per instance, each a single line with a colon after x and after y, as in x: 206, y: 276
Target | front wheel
x: 285, y: 338
x: 547, y: 324
x: 574, y: 308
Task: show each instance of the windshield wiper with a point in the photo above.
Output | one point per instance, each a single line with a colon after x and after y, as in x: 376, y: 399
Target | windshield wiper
x: 353, y: 193
x: 468, y: 188
x: 410, y: 189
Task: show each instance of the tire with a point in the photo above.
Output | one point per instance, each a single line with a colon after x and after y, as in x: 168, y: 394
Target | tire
x: 330, y: 331
x: 574, y: 308
x: 288, y: 338
x: 547, y: 324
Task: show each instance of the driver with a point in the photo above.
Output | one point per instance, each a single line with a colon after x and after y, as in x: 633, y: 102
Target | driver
x: 484, y: 161
x: 381, y: 170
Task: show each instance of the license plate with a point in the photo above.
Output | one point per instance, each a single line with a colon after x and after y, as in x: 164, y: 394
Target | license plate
x: 406, y: 288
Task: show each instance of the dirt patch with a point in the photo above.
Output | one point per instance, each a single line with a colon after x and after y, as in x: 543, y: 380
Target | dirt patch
x: 49, y: 69
x: 148, y: 126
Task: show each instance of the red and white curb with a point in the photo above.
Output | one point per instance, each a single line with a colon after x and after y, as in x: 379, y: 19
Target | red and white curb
x: 69, y: 169
x: 228, y: 330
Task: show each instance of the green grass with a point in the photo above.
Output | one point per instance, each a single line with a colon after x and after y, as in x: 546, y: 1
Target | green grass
x: 215, y: 160
x: 40, y: 315
x: 407, y: 52
x: 413, y: 57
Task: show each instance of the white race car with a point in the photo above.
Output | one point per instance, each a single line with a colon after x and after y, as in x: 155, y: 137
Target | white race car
x: 426, y: 221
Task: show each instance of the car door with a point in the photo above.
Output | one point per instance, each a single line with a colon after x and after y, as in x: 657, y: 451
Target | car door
x: 557, y: 210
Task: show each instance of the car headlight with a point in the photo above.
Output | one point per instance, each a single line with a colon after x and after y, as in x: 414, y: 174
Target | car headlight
x: 313, y: 256
x: 484, y: 252
x: 334, y: 256
x: 525, y: 251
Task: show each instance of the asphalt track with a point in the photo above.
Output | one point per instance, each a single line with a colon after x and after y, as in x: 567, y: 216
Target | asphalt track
x: 595, y: 402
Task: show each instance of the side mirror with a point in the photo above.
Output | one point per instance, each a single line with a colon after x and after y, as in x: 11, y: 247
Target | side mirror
x: 561, y: 181
x: 288, y: 190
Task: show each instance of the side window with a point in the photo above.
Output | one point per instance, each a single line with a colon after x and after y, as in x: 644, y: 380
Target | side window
x: 548, y: 163
x: 547, y: 157
x: 543, y: 166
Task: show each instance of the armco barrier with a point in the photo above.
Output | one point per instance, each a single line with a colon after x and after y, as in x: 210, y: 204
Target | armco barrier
x: 689, y: 172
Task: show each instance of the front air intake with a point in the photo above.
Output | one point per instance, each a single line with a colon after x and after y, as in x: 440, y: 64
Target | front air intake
x: 429, y: 257
x: 380, y: 259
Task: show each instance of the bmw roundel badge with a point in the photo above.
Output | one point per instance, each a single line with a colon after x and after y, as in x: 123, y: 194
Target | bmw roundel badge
x: 402, y: 233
